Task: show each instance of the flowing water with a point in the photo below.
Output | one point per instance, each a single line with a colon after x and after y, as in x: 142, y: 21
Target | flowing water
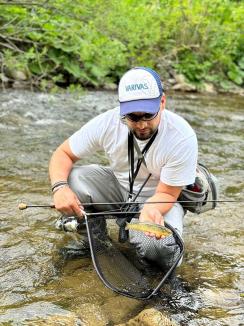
x: 37, y: 283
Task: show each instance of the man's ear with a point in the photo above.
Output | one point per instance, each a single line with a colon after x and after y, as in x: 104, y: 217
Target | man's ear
x: 163, y: 101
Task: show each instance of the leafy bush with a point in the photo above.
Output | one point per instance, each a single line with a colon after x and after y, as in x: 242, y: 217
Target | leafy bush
x: 93, y: 42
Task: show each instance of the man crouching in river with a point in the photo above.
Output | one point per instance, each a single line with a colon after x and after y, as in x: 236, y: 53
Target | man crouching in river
x: 145, y: 144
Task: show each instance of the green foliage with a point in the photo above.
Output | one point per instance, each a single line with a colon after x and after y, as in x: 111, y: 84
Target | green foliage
x: 92, y: 43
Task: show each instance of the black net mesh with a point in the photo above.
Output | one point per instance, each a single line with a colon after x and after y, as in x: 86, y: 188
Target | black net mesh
x: 121, y: 270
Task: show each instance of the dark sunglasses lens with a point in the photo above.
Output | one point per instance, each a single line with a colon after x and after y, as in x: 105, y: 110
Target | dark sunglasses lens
x: 149, y: 116
x: 136, y: 118
x: 133, y: 117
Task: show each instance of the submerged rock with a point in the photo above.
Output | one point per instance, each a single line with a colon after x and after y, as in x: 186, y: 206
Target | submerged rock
x: 120, y: 308
x: 56, y: 320
x: 150, y: 317
x: 40, y: 313
x: 92, y: 314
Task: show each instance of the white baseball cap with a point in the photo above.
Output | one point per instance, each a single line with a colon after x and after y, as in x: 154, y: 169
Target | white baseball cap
x: 140, y: 90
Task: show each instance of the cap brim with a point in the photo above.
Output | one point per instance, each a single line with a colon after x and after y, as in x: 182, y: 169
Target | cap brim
x: 148, y: 106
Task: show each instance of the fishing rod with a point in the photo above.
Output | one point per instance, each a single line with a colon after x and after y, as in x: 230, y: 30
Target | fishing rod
x: 23, y: 206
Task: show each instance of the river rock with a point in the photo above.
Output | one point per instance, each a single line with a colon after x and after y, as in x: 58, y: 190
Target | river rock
x: 180, y: 79
x: 110, y: 87
x: 92, y: 314
x: 150, y: 317
x: 119, y: 308
x: 171, y: 81
x: 17, y: 84
x: 40, y: 313
x: 181, y: 84
x: 4, y: 78
x: 208, y: 88
x: 184, y: 87
x: 56, y: 320
x: 18, y: 75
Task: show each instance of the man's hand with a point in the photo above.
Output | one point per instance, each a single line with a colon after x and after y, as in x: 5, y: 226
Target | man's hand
x: 159, y: 204
x: 151, y: 215
x: 66, y: 202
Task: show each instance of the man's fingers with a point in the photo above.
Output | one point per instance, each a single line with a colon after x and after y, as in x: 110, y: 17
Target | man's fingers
x: 158, y: 218
x: 78, y: 211
x: 79, y: 203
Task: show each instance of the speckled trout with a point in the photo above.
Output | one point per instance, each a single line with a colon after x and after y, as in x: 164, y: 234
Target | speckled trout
x: 158, y: 230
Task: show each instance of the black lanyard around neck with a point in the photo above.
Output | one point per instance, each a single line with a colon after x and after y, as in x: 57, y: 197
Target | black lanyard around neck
x: 141, y: 158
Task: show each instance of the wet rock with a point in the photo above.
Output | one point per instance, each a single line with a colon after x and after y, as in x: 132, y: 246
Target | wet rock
x: 150, y: 317
x: 18, y: 84
x: 171, y: 81
x: 180, y: 79
x: 40, y: 313
x: 110, y: 87
x: 208, y: 88
x: 221, y: 297
x: 91, y: 314
x: 57, y: 320
x: 17, y: 75
x: 119, y: 308
x: 3, y: 78
x: 184, y: 87
x: 181, y: 84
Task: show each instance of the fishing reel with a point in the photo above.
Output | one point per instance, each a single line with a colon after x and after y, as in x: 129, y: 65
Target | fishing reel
x: 68, y: 224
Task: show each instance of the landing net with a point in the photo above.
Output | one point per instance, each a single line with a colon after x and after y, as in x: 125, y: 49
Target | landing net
x: 119, y: 268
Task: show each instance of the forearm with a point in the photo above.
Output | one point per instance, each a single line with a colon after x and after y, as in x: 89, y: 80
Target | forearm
x: 60, y: 166
x: 167, y: 201
x: 61, y: 163
x: 166, y: 196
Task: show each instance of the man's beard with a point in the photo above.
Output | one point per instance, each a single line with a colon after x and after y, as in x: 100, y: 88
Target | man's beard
x: 144, y: 135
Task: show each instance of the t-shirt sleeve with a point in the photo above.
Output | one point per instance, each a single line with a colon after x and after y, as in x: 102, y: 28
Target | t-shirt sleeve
x: 180, y: 169
x: 87, y: 139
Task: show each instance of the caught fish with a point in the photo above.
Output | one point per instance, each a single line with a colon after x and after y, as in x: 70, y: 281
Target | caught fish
x: 158, y: 230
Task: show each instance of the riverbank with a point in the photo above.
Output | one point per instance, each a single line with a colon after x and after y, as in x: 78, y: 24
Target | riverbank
x: 196, y: 46
x: 175, y: 82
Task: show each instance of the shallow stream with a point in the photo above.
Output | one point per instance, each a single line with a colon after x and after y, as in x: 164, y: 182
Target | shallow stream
x: 36, y: 282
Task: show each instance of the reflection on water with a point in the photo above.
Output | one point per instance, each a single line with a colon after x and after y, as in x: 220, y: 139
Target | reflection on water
x: 36, y: 281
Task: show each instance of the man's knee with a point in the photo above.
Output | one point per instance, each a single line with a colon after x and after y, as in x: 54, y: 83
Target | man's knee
x: 77, y: 183
x: 174, y: 217
x: 95, y: 183
x: 163, y: 252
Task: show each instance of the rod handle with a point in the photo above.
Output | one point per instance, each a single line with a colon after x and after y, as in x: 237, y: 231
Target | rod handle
x: 22, y: 206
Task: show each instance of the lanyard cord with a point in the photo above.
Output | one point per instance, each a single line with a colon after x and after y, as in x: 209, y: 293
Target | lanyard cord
x: 132, y: 171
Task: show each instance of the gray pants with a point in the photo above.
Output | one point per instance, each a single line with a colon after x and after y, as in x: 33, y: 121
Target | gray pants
x: 98, y: 184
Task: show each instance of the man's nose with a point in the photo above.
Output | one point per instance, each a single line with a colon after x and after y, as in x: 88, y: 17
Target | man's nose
x: 142, y: 124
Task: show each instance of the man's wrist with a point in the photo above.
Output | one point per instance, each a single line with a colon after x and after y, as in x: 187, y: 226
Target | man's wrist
x: 59, y: 187
x: 59, y: 184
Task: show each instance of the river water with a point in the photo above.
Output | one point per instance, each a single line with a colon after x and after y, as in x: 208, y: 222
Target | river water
x: 37, y: 282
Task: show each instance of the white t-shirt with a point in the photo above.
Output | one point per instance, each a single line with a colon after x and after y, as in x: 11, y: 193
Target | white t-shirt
x: 171, y: 158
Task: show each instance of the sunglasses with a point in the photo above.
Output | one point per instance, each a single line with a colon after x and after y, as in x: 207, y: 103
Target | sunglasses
x: 136, y: 118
